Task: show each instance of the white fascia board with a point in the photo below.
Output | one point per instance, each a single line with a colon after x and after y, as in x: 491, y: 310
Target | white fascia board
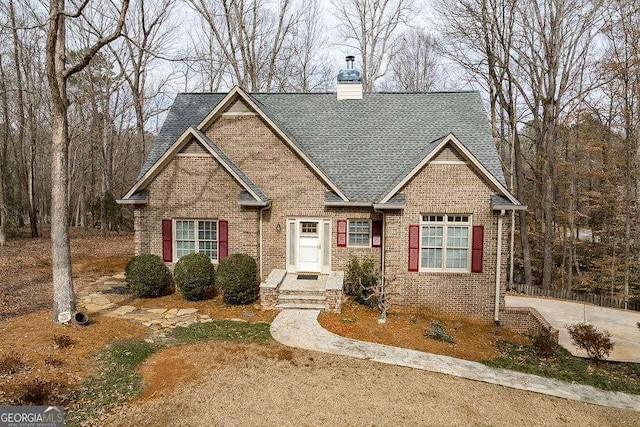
x: 131, y: 202
x: 175, y: 147
x: 450, y: 138
x: 348, y: 204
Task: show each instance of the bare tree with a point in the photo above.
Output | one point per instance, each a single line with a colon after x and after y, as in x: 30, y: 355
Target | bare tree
x: 622, y: 66
x: 372, y: 27
x: 480, y: 35
x: 415, y: 66
x: 250, y: 37
x: 3, y: 152
x: 543, y: 58
x: 147, y: 35
x: 28, y: 162
x: 58, y: 73
x: 308, y: 68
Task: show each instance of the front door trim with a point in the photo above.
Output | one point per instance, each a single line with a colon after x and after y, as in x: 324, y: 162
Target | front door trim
x: 302, y: 235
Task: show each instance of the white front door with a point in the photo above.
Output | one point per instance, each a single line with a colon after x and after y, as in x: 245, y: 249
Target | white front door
x: 309, y: 248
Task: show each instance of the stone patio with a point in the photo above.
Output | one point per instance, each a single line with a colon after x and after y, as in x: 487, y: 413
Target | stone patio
x: 96, y: 298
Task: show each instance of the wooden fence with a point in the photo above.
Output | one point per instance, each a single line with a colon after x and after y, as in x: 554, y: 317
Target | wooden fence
x: 601, y: 300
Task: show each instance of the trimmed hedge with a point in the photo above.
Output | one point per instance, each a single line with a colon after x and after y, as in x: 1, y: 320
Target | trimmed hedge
x: 194, y: 275
x: 148, y: 276
x: 237, y: 277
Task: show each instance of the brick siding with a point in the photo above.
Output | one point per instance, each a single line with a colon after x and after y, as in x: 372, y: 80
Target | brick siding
x: 198, y: 187
x: 526, y: 320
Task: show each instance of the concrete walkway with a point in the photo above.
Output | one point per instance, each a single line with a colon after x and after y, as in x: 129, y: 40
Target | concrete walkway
x: 621, y: 324
x: 300, y: 328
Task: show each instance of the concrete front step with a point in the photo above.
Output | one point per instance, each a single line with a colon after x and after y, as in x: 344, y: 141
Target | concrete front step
x: 319, y: 293
x: 302, y: 296
x: 302, y: 301
x: 310, y: 306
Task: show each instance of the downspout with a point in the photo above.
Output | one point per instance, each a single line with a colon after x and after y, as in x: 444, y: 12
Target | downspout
x: 260, y: 242
x: 383, y: 315
x: 496, y: 310
x: 512, y: 247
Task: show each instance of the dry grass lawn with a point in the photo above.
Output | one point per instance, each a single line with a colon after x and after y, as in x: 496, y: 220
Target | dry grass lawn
x: 31, y: 339
x: 234, y: 384
x: 229, y: 383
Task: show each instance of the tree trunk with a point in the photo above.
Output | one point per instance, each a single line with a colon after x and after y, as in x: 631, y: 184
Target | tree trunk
x: 33, y: 216
x: 64, y: 304
x: 3, y: 154
x: 548, y: 140
x: 524, y: 232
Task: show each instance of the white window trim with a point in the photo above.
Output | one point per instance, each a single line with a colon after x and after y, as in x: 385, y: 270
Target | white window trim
x: 445, y: 224
x: 368, y: 245
x: 174, y: 245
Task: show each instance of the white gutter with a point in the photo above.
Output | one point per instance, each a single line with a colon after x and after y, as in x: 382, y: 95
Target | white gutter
x: 512, y: 247
x: 496, y: 310
x: 348, y: 204
x: 382, y: 257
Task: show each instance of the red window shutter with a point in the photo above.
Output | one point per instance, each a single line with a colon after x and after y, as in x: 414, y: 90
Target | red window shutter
x: 223, y: 239
x: 342, y: 232
x: 477, y: 248
x: 376, y: 234
x: 167, y: 240
x: 414, y: 247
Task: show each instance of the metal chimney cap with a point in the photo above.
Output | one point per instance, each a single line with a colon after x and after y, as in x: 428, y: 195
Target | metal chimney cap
x: 350, y: 59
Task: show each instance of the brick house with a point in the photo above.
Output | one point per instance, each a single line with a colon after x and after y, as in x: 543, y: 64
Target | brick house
x: 300, y: 181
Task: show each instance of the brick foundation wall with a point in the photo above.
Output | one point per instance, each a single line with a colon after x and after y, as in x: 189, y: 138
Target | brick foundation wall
x: 268, y: 298
x: 526, y: 320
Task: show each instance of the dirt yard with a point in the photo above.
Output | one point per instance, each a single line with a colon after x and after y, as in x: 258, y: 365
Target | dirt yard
x: 226, y: 383
x: 26, y: 283
x: 473, y: 340
x: 272, y: 385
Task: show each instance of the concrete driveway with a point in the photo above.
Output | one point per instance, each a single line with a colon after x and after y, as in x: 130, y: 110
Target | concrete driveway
x: 621, y: 324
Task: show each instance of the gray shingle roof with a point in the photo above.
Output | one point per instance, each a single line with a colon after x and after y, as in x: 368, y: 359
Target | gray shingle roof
x: 364, y: 146
x: 500, y: 201
x: 139, y: 195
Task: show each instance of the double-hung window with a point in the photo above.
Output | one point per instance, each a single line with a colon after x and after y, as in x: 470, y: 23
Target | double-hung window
x: 193, y: 235
x: 445, y: 242
x: 359, y: 232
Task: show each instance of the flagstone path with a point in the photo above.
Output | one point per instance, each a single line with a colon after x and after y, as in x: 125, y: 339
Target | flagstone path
x: 105, y: 295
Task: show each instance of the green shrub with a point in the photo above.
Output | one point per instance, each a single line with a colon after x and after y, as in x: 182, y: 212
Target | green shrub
x: 545, y: 343
x: 147, y: 276
x: 194, y: 276
x: 237, y: 277
x: 597, y: 344
x: 437, y: 332
x: 361, y: 280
